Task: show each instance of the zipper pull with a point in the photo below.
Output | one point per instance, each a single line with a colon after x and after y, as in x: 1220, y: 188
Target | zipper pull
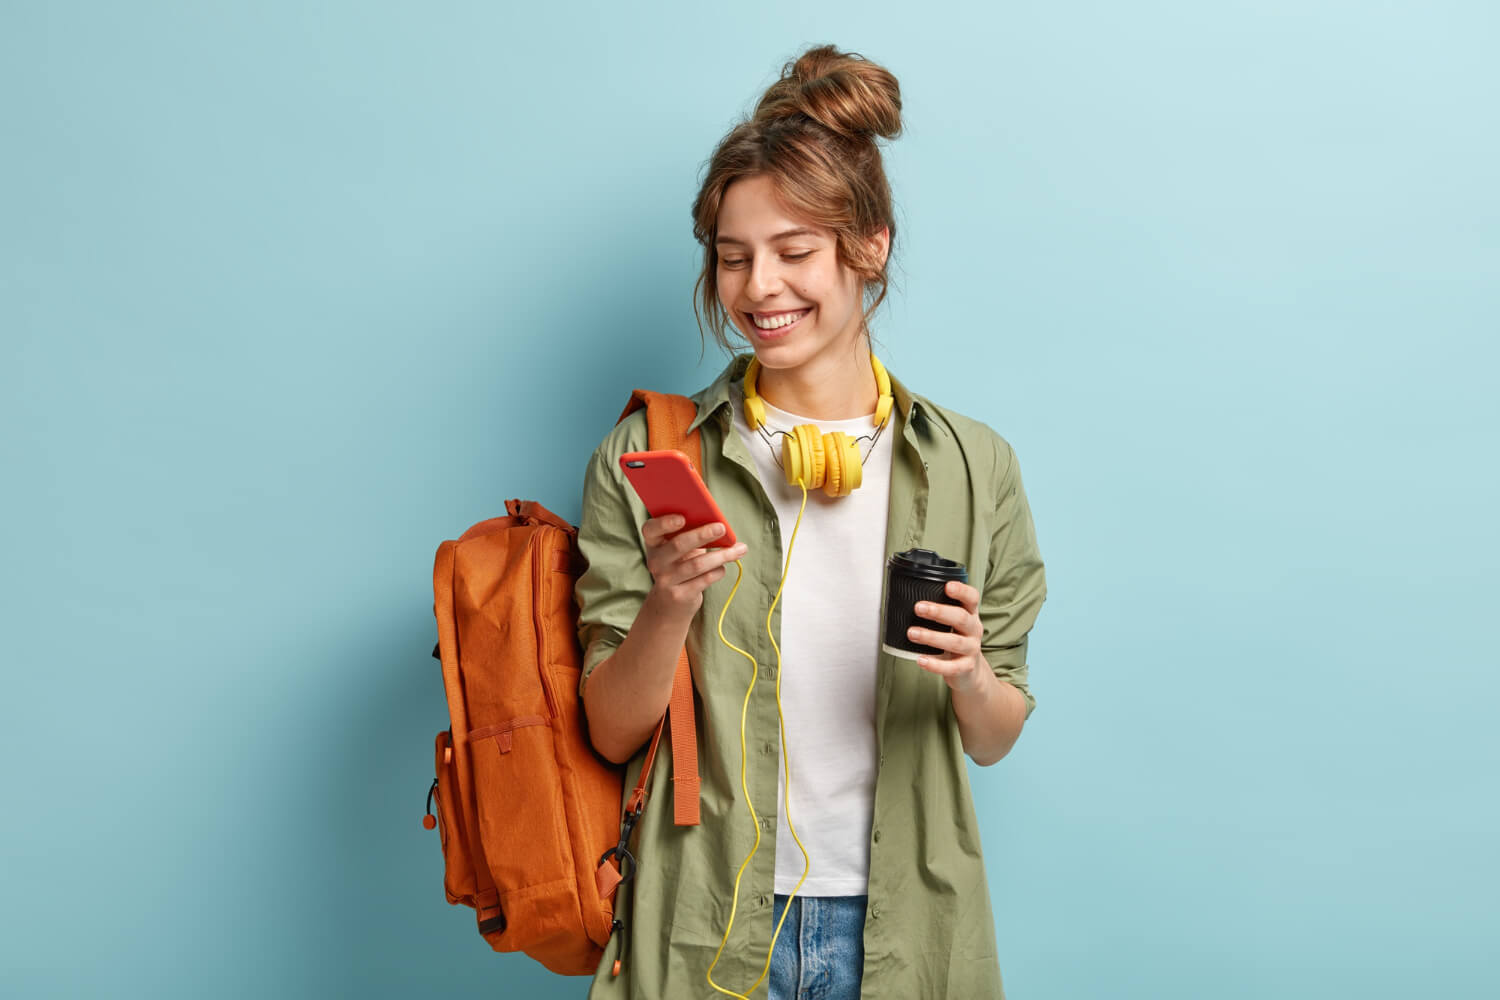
x: 429, y: 821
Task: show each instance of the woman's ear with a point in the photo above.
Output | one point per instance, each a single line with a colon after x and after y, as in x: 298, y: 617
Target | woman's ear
x: 880, y: 244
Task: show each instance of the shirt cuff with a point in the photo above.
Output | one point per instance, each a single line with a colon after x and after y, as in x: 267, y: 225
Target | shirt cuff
x: 599, y: 645
x: 1009, y: 665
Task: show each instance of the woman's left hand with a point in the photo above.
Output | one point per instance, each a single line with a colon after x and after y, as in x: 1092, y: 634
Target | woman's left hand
x: 961, y: 662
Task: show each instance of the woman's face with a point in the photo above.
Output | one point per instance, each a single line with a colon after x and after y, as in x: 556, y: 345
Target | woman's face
x: 780, y: 279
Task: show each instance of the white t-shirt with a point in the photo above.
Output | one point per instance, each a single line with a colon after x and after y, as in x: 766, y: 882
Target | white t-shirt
x: 830, y: 642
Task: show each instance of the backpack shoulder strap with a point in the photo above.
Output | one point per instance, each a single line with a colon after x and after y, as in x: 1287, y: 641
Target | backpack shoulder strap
x: 668, y: 417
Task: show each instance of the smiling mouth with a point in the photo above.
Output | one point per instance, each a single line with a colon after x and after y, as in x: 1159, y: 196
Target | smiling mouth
x: 775, y: 325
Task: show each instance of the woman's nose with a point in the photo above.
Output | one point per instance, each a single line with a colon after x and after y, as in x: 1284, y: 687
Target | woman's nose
x: 764, y: 280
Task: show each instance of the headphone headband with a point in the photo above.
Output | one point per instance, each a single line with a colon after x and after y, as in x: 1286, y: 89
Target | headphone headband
x: 755, y: 410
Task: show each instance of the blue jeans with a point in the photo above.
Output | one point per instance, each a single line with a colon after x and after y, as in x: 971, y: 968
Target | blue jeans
x: 820, y: 954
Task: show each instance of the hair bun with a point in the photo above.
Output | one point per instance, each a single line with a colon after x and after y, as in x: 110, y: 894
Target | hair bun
x: 842, y: 91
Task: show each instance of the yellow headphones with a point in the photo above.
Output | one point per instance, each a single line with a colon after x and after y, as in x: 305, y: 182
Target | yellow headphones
x: 828, y: 460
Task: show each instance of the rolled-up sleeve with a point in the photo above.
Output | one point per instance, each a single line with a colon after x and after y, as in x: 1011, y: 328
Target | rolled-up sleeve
x: 1015, y: 583
x: 615, y: 580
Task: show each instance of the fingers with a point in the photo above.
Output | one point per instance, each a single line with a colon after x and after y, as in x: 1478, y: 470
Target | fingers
x: 947, y: 614
x: 676, y: 557
x: 660, y: 530
x: 963, y: 640
x: 965, y: 593
x: 951, y: 642
x: 702, y: 561
x: 944, y: 667
x: 962, y: 620
x: 656, y: 529
x: 699, y: 537
x: 683, y: 581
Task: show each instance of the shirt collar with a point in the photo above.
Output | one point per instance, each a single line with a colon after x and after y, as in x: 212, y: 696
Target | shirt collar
x: 716, y: 395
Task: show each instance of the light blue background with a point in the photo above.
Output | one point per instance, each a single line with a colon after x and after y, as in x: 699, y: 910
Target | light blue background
x: 290, y: 293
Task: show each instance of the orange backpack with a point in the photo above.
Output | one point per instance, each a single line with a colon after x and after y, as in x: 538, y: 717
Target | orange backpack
x: 534, y: 833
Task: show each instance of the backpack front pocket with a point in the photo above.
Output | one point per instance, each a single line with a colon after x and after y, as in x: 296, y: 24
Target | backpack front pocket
x: 523, y: 827
x: 458, y: 863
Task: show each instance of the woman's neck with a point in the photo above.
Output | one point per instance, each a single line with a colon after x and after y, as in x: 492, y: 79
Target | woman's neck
x: 834, y: 386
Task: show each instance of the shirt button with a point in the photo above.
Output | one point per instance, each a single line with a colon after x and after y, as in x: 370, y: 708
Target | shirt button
x: 768, y: 822
x: 763, y: 900
x: 882, y: 758
x: 769, y: 748
x: 875, y: 912
x: 876, y: 836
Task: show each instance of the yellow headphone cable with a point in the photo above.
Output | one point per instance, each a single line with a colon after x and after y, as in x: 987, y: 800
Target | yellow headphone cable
x: 786, y: 767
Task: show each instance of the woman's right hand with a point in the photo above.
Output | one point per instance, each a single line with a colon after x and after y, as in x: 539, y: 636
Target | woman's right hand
x: 681, y: 565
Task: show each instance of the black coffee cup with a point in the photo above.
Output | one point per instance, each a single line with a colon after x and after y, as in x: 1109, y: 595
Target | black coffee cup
x: 912, y: 576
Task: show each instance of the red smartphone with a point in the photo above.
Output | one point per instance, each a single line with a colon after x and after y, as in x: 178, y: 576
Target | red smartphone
x: 667, y: 483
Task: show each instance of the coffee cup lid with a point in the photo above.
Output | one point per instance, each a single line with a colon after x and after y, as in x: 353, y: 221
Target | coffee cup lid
x: 928, y: 564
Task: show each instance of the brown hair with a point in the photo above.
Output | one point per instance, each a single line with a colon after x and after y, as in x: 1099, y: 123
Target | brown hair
x: 813, y: 133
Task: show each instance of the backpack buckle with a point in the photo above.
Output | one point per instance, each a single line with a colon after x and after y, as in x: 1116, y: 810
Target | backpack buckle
x: 621, y: 851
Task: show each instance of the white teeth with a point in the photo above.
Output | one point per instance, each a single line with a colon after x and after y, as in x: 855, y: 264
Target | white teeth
x: 776, y: 322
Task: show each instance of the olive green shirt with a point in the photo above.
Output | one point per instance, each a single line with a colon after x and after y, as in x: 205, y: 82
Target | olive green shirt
x: 955, y: 489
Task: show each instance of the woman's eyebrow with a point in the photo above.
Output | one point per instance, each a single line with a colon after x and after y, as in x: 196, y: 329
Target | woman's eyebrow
x: 803, y: 231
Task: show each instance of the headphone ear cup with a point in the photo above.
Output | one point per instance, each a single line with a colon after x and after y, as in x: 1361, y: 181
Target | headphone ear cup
x: 853, y: 468
x: 803, y: 457
x: 845, y: 472
x: 791, y: 458
x: 833, y: 484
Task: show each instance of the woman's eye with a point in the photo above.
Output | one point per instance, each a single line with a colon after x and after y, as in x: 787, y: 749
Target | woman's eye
x: 741, y: 261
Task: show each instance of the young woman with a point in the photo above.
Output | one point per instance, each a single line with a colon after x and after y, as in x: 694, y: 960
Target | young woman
x: 836, y: 811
